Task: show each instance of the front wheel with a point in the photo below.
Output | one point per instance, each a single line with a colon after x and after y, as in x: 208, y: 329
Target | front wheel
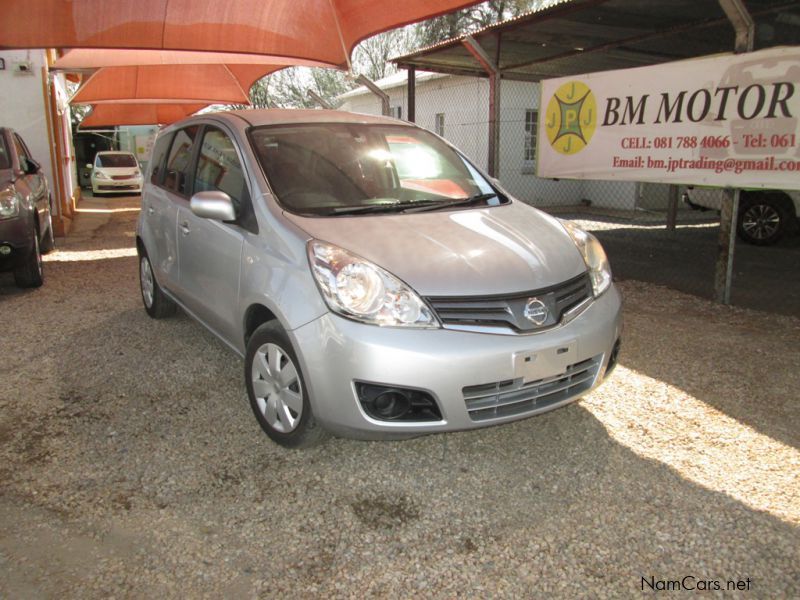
x: 277, y: 391
x: 29, y: 274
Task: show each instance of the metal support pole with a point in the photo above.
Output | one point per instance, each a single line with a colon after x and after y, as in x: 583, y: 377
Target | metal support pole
x: 723, y: 278
x: 744, y: 26
x: 412, y: 94
x: 494, y: 101
x: 672, y: 208
x: 384, y: 97
x: 319, y: 100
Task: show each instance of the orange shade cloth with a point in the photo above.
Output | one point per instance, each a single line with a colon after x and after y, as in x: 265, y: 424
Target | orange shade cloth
x: 320, y: 30
x: 108, y: 115
x: 185, y: 84
x: 94, y: 58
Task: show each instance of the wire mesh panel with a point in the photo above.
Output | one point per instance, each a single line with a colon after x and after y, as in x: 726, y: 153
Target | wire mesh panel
x: 630, y: 218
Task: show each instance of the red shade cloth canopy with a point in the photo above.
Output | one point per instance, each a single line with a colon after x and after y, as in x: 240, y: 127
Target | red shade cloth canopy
x: 319, y: 30
x: 80, y: 59
x: 183, y: 84
x: 109, y: 115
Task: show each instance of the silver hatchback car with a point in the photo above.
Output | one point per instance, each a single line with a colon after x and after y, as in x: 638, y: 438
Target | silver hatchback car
x: 376, y: 282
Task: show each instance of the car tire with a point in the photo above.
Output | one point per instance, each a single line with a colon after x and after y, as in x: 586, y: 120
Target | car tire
x: 30, y: 274
x: 277, y: 391
x: 49, y: 241
x: 157, y: 304
x: 763, y: 219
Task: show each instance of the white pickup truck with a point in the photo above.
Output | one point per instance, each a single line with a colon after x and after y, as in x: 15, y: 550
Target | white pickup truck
x: 765, y: 216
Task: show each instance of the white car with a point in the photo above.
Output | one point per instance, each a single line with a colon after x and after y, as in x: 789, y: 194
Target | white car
x: 116, y: 172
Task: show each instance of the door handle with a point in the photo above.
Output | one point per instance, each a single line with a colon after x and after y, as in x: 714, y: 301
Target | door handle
x: 185, y: 228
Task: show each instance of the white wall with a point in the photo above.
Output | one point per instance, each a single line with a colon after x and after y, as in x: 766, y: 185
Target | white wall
x: 22, y: 105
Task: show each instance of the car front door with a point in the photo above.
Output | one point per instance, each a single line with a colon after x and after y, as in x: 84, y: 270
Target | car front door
x: 210, y: 251
x: 32, y: 183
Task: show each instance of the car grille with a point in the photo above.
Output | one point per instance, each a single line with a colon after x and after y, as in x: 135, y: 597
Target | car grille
x: 513, y: 397
x: 121, y: 177
x: 117, y: 188
x: 508, y: 311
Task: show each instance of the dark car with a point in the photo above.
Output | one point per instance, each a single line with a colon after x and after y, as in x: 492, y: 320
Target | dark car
x: 26, y: 228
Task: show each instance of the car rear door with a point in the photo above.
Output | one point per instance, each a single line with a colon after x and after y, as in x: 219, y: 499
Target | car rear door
x: 210, y: 251
x: 166, y: 188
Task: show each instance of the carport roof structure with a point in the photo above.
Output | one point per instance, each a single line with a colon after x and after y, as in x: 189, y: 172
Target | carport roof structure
x: 583, y: 36
x: 111, y: 115
x: 319, y: 30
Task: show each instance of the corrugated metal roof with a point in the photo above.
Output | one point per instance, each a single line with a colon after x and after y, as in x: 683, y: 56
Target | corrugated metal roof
x: 582, y: 36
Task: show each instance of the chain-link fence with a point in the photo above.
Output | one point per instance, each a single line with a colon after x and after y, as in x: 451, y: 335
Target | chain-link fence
x: 634, y: 220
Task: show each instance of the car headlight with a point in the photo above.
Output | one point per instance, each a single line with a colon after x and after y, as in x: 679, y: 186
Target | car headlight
x: 9, y: 203
x: 100, y: 175
x: 593, y: 255
x: 358, y: 289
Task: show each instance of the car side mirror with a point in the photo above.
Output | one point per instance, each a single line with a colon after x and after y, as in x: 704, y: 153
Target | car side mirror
x: 32, y: 167
x: 213, y: 205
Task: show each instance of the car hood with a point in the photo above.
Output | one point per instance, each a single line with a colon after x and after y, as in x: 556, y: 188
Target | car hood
x: 475, y: 252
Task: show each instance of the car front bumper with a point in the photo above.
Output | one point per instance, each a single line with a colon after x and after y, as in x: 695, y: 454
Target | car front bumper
x: 117, y: 185
x: 336, y: 353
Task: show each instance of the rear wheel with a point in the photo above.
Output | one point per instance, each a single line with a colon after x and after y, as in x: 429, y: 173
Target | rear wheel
x: 763, y: 219
x: 156, y: 303
x: 29, y: 274
x: 277, y: 390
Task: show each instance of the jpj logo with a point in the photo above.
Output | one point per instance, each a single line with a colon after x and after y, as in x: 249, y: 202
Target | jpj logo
x: 571, y: 118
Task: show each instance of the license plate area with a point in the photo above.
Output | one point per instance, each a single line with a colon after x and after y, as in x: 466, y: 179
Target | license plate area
x: 533, y: 365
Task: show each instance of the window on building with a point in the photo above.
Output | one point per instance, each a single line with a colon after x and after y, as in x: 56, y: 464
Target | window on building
x: 396, y: 112
x: 531, y: 119
x: 439, y: 125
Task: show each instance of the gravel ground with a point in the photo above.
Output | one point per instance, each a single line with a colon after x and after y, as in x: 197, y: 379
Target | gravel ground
x: 131, y: 466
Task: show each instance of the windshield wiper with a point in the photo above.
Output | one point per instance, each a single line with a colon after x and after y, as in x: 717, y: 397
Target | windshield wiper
x: 457, y: 202
x: 398, y: 206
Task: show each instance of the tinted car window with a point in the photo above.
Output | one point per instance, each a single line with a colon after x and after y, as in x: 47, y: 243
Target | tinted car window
x: 159, y: 154
x: 178, y: 162
x: 322, y: 168
x: 5, y: 158
x: 22, y: 153
x: 116, y: 160
x: 218, y: 167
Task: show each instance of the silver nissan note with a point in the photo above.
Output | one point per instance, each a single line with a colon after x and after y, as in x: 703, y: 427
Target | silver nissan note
x: 376, y: 282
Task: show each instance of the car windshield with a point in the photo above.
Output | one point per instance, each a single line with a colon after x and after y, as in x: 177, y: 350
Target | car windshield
x: 345, y: 168
x: 115, y: 160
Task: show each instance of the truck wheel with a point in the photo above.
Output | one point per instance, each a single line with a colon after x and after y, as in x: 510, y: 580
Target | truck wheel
x: 763, y: 219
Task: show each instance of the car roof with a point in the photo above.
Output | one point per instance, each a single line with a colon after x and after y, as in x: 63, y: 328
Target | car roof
x: 115, y: 152
x: 284, y: 116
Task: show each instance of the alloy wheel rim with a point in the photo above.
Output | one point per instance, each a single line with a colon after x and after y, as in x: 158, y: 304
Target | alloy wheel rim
x: 761, y: 221
x: 146, y: 276
x: 277, y: 388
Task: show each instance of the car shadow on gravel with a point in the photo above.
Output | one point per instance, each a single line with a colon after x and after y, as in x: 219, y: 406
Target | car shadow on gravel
x: 149, y: 439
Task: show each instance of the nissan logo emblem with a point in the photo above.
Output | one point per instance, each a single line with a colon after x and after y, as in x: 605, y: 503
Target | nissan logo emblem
x: 536, y: 311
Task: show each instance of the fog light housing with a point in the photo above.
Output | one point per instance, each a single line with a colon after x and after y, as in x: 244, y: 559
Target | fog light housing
x: 391, y: 403
x: 5, y: 250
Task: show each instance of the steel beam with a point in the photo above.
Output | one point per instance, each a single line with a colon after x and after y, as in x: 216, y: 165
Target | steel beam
x: 412, y: 94
x: 384, y: 97
x: 742, y: 22
x: 319, y: 100
x: 492, y: 71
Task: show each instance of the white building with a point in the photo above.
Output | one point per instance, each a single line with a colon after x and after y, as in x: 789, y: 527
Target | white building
x: 34, y: 102
x: 457, y: 108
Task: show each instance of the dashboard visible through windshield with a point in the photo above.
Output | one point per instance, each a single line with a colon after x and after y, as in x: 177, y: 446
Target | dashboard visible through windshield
x: 327, y: 169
